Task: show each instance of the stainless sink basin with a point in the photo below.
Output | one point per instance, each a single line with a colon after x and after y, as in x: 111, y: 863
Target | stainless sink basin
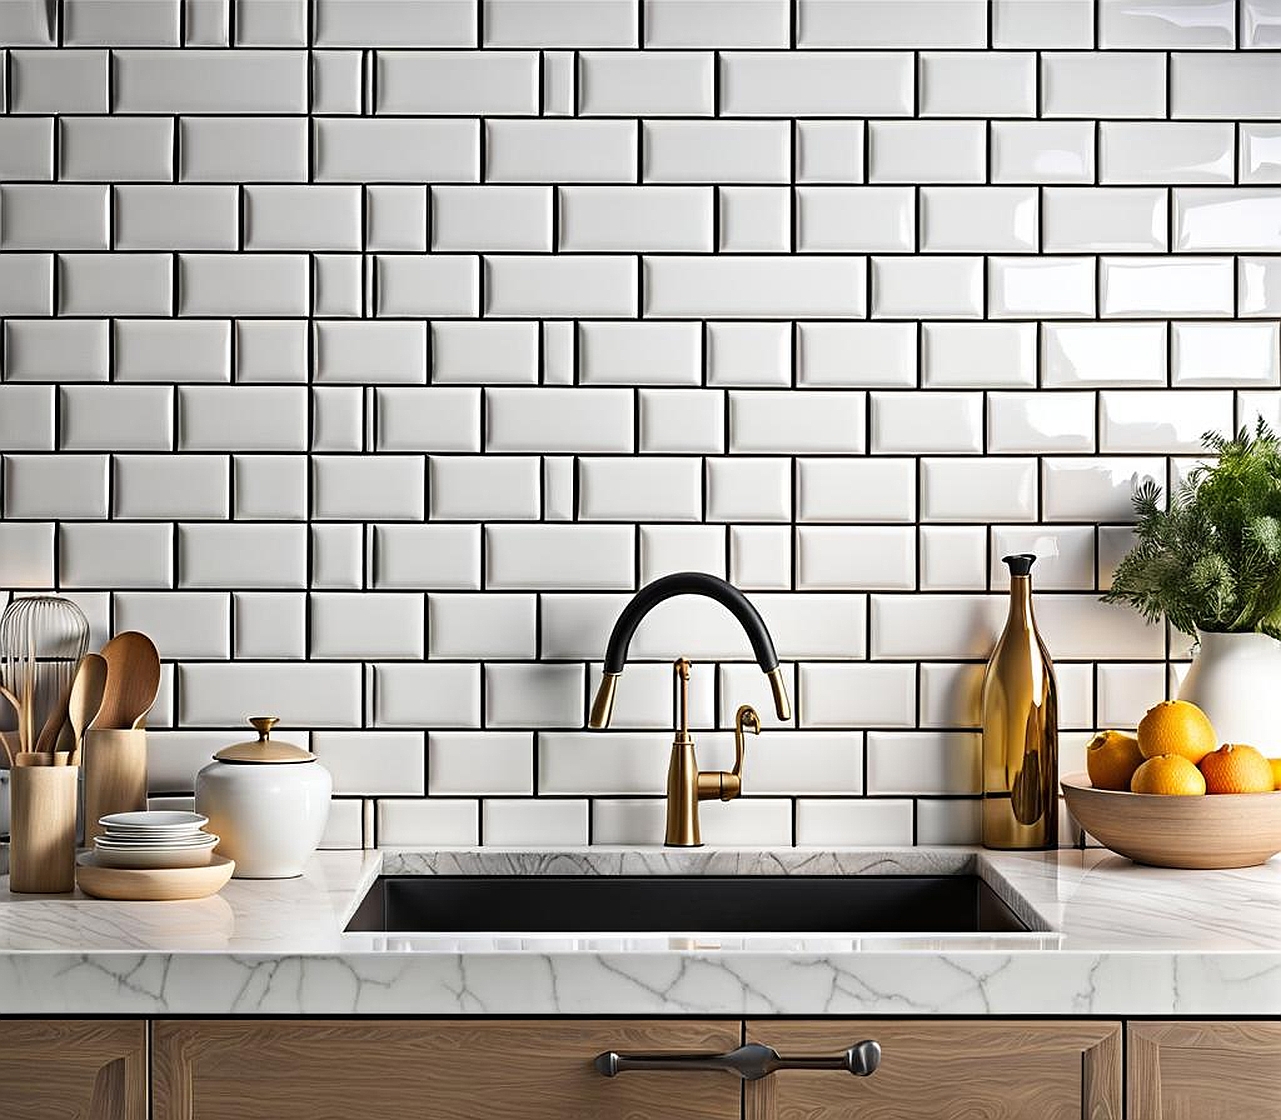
x: 676, y: 904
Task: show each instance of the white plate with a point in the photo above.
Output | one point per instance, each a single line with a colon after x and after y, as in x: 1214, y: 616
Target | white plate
x: 151, y: 819
x: 186, y: 857
x: 205, y: 840
x: 151, y: 834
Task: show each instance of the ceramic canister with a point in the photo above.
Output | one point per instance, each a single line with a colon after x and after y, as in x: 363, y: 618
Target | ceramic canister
x: 268, y: 801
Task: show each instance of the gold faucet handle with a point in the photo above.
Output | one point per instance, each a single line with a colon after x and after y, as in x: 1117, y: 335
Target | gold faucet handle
x: 728, y: 784
x: 746, y: 719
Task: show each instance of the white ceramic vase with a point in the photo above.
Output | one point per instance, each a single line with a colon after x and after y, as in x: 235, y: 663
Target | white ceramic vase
x: 1236, y: 680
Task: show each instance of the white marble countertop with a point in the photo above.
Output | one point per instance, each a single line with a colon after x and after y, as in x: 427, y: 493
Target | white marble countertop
x: 1109, y: 938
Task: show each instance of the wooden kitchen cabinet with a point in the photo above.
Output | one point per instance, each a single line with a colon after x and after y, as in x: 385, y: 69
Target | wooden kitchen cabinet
x: 1204, y: 1070
x: 73, y: 1069
x: 935, y: 1069
x: 445, y: 1069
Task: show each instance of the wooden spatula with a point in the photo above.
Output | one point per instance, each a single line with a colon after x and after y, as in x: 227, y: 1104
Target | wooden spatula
x: 133, y: 679
x: 85, y: 703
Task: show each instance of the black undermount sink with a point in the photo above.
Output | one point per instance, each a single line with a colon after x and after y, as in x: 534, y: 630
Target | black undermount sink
x: 583, y: 905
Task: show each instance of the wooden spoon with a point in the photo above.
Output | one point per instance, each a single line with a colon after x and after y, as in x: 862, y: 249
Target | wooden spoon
x: 133, y: 679
x: 86, y: 699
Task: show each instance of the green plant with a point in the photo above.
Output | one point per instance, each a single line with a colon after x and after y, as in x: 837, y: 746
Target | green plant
x: 1212, y: 559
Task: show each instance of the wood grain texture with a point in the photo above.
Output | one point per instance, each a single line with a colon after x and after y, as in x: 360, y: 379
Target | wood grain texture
x: 1204, y: 1071
x: 946, y: 1070
x: 153, y: 884
x: 447, y: 1070
x: 115, y: 765
x: 1219, y: 830
x: 72, y: 1070
x: 133, y: 679
x: 42, y: 851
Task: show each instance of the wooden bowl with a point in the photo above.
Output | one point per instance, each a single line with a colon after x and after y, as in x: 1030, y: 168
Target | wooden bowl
x: 127, y: 884
x: 1217, y: 830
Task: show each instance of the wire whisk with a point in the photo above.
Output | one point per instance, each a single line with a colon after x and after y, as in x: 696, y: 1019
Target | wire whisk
x: 42, y: 639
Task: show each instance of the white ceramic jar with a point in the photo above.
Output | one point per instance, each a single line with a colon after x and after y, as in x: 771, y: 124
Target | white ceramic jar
x: 1235, y: 680
x: 268, y: 801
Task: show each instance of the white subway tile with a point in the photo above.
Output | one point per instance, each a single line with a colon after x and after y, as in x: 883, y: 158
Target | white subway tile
x: 927, y: 287
x: 556, y: 420
x: 476, y: 763
x: 715, y: 152
x: 201, y: 81
x: 66, y: 350
x: 378, y: 353
x: 892, y: 23
x: 53, y: 487
x: 549, y: 557
x: 1039, y: 422
x: 551, y: 151
x: 559, y: 84
x: 115, y: 556
x: 820, y: 421
x: 183, y: 624
x: 485, y: 487
x: 849, y: 558
x: 815, y: 626
x: 978, y: 489
x: 559, y: 23
x: 169, y: 350
x: 26, y: 417
x: 239, y: 418
x: 744, y: 287
x: 116, y: 418
x: 444, y: 286
x: 1225, y: 354
x: 239, y: 556
x: 271, y: 351
x: 681, y: 420
x: 640, y: 353
x: 462, y: 83
x: 427, y: 557
x: 396, y: 218
x: 1042, y: 151
x: 951, y: 821
x: 28, y: 25
x: 61, y: 81
x: 1259, y: 24
x: 648, y: 83
x: 952, y: 694
x: 749, y: 490
x: 923, y: 762
x: 1185, y: 286
x: 534, y: 823
x: 362, y: 627
x: 1040, y: 287
x: 302, y: 217
x: 853, y: 822
x: 1161, y: 421
x: 614, y: 489
x: 337, y: 418
x: 53, y: 216
x: 1146, y: 26
x: 270, y: 487
x: 634, y: 219
x: 1104, y: 219
x: 978, y: 355
x: 372, y: 763
x: 829, y: 151
x: 271, y: 23
x: 337, y: 81
x: 26, y: 555
x: 558, y: 352
x: 400, y: 23
x: 978, y: 84
x: 242, y: 149
x: 189, y: 487
x: 865, y: 355
x: 856, y: 219
x: 243, y: 284
x: 1227, y: 220
x: 26, y: 284
x: 938, y: 422
x: 431, y: 696
x: 749, y: 354
x: 1223, y: 85
x: 755, y: 220
x: 491, y: 218
x: 1095, y: 84
x: 1065, y: 555
x: 1120, y: 687
x: 115, y: 284
x: 1259, y: 286
x: 26, y: 148
x: 357, y: 149
x: 534, y: 287
x: 702, y: 23
x: 1102, y: 354
x: 1166, y: 152
x: 217, y: 695
x: 482, y: 625
x: 537, y: 695
x: 429, y: 823
x: 1095, y: 489
x: 760, y: 557
x: 119, y: 23
x: 358, y: 488
x: 177, y: 217
x: 830, y: 84
x: 852, y: 695
x: 338, y: 557
x: 929, y: 151
x: 338, y: 281
x: 842, y: 489
x: 665, y: 549
x: 1260, y: 160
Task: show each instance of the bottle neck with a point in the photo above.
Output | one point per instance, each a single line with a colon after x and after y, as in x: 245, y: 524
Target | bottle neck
x: 1020, y: 601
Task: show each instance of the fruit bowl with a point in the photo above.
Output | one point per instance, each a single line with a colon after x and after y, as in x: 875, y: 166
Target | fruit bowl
x: 1217, y: 830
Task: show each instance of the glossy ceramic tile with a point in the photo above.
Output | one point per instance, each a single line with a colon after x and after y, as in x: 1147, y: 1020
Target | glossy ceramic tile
x: 1036, y: 423
x: 1103, y: 354
x: 1163, y: 421
x: 1172, y: 286
x: 1042, y: 151
x: 1225, y: 354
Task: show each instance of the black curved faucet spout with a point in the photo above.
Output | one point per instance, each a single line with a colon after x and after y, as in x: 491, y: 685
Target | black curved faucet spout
x: 686, y: 583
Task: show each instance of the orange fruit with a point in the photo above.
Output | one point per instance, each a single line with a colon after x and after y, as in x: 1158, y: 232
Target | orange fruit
x: 1236, y: 768
x: 1176, y: 727
x: 1275, y: 763
x: 1170, y: 774
x: 1111, y: 758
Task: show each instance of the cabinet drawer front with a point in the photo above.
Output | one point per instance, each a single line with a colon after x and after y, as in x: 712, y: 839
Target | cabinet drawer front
x: 448, y: 1070
x: 89, y: 1070
x: 946, y: 1070
x: 1204, y: 1071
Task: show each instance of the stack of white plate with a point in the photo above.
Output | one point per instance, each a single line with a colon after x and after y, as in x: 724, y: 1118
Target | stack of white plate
x: 154, y: 839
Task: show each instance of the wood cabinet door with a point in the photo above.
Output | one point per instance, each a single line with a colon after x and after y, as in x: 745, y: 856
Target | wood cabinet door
x: 73, y: 1070
x: 443, y: 1069
x: 1204, y: 1071
x: 933, y: 1069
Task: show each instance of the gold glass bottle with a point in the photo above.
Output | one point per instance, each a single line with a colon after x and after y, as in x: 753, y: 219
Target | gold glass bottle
x: 1020, y: 728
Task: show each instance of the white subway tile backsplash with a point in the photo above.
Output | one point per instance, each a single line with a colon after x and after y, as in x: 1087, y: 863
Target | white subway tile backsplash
x: 522, y: 287
x: 396, y: 218
x: 237, y: 149
x: 849, y: 558
x: 52, y: 487
x: 353, y: 150
x: 26, y: 417
x: 1042, y: 151
x: 1223, y: 86
x: 365, y: 627
x: 427, y: 695
x: 1260, y: 155
x: 1137, y: 288
x: 353, y: 488
x: 552, y: 557
x: 635, y: 219
x: 270, y: 624
x: 1161, y: 420
x: 978, y: 355
x: 746, y: 489
x: 428, y: 286
x: 991, y: 489
x: 755, y: 220
x: 926, y: 151
x: 1104, y: 219
x: 62, y: 81
x: 578, y: 151
x: 27, y: 147
x: 749, y: 354
x: 1097, y: 84
x: 1103, y: 354
x: 1123, y: 23
x: 116, y: 418
x: 855, y: 490
x: 191, y: 487
x: 54, y: 216
x: 702, y: 23
x: 1258, y: 286
x: 856, y: 219
x: 665, y: 549
x: 303, y: 218
x: 111, y: 556
x: 114, y: 284
x: 1227, y: 220
x: 231, y: 556
x: 714, y: 152
x: 26, y: 284
x: 649, y: 83
x: 829, y: 151
x: 615, y: 489
x: 534, y: 695
x: 56, y: 350
x: 400, y: 23
x: 227, y: 418
x: 892, y: 23
x: 1043, y: 23
x: 1225, y: 354
x: 1174, y: 152
x: 534, y: 823
x: 485, y: 488
x: 361, y: 353
x: 932, y: 422
x: 478, y: 763
x: 760, y: 557
x: 446, y: 83
x: 1041, y: 287
x: 662, y: 353
x: 853, y: 822
x: 819, y: 421
x: 478, y: 219
x: 830, y: 84
x: 978, y: 84
x: 482, y: 625
x: 260, y: 284
x: 1095, y: 489
x: 268, y: 351
x: 871, y: 355
x: 1032, y: 423
x: 923, y: 762
x: 555, y: 420
x: 849, y: 695
x: 927, y: 287
x: 744, y: 287
x: 201, y: 81
x: 431, y: 557
x: 177, y: 217
x: 172, y: 349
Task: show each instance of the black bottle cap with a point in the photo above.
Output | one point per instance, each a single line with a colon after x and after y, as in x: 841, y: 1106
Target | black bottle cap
x: 1020, y: 563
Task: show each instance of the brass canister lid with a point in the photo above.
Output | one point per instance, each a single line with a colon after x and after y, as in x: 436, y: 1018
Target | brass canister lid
x: 264, y: 748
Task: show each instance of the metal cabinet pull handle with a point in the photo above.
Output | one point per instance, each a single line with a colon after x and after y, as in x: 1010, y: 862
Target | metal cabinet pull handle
x: 750, y: 1062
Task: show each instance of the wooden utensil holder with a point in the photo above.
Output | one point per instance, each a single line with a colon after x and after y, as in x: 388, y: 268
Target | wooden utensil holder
x: 42, y: 843
x: 115, y: 765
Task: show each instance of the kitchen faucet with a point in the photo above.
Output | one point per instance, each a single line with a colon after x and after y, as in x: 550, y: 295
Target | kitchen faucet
x: 686, y: 784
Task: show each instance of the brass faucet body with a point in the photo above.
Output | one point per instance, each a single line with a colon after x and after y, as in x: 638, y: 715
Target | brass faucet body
x: 686, y: 784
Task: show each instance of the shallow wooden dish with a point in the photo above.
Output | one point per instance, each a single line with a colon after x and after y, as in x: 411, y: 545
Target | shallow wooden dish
x: 1217, y: 830
x: 127, y: 884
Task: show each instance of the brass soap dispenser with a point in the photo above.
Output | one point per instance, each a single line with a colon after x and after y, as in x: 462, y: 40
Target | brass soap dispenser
x: 1020, y: 728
